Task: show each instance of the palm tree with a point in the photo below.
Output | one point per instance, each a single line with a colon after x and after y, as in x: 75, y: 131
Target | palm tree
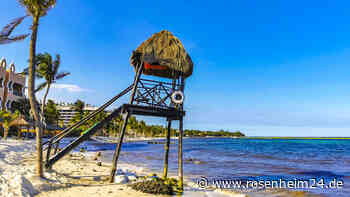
x: 23, y: 106
x: 143, y: 127
x: 6, y: 118
x: 6, y: 32
x: 51, y: 113
x: 79, y: 107
x: 36, y: 9
x: 47, y: 68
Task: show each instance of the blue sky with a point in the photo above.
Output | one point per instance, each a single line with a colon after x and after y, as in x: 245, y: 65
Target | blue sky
x: 263, y: 67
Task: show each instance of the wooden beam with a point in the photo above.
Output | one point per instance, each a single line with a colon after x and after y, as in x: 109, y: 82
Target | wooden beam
x: 126, y: 118
x: 180, y: 156
x: 180, y: 148
x: 118, y: 148
x: 82, y: 138
x: 166, y: 151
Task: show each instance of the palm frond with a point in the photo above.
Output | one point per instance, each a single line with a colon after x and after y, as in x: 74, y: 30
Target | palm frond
x: 26, y: 72
x: 44, y: 66
x: 41, y: 86
x: 8, y: 29
x: 30, y: 5
x: 49, y: 4
x: 49, y: 64
x: 9, y: 40
x: 16, y: 114
x: 34, y: 6
x: 56, y: 64
x: 61, y: 75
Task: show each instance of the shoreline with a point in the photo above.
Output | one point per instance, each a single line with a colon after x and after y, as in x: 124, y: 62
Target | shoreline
x: 146, y: 139
x: 79, y: 172
x: 191, y: 188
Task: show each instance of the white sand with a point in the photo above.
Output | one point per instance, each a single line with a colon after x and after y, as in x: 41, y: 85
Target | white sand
x: 72, y: 176
x: 14, y: 173
x: 76, y: 175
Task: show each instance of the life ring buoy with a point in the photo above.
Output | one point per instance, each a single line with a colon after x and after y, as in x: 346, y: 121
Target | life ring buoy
x: 177, y: 97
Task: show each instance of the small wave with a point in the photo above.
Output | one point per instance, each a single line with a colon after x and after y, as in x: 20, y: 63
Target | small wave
x: 318, y: 173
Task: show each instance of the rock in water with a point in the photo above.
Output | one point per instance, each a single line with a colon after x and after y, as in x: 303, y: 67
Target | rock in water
x: 121, y: 179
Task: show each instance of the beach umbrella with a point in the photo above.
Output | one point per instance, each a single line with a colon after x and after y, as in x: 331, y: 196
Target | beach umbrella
x: 164, y: 56
x: 21, y: 121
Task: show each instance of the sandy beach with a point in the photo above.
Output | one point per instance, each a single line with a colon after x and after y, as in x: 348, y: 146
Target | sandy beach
x: 78, y: 174
x: 71, y: 176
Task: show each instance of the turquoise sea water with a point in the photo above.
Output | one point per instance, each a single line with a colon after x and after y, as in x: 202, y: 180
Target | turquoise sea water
x: 248, y: 159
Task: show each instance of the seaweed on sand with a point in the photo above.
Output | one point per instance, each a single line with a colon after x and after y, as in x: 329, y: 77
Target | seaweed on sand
x: 156, y: 185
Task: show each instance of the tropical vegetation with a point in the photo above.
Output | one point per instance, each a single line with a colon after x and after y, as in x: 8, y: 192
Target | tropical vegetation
x: 221, y: 133
x: 22, y: 105
x: 51, y: 113
x: 6, y: 118
x: 47, y: 68
x: 137, y: 128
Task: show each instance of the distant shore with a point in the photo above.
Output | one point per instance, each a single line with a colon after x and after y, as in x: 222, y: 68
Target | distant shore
x: 300, y: 138
x: 138, y: 139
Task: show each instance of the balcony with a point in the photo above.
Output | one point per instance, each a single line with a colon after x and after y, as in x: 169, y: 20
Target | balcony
x: 17, y: 90
x: 17, y: 93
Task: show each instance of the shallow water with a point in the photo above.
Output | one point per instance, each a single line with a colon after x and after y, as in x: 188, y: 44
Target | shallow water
x: 246, y: 159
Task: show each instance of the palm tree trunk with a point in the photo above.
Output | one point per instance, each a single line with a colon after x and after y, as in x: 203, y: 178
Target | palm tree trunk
x: 44, y: 99
x: 6, y: 132
x: 31, y: 94
x: 19, y: 134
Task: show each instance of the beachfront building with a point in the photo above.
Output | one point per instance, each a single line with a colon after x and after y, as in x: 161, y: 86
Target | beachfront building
x: 12, y: 85
x: 67, y: 112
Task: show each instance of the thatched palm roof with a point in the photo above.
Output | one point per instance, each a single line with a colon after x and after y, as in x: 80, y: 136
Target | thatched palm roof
x: 20, y: 121
x: 163, y: 49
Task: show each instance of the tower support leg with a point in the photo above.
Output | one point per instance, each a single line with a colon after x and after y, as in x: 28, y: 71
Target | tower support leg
x: 126, y: 118
x: 166, y: 151
x: 56, y: 147
x: 119, y: 146
x: 180, y: 155
x: 48, y: 152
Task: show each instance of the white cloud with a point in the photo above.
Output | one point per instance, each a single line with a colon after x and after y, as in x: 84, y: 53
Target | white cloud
x: 69, y: 87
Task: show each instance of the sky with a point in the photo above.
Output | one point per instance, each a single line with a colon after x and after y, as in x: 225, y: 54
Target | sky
x: 267, y: 68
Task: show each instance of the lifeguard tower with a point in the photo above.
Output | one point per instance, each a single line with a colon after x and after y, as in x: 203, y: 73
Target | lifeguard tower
x: 163, y: 57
